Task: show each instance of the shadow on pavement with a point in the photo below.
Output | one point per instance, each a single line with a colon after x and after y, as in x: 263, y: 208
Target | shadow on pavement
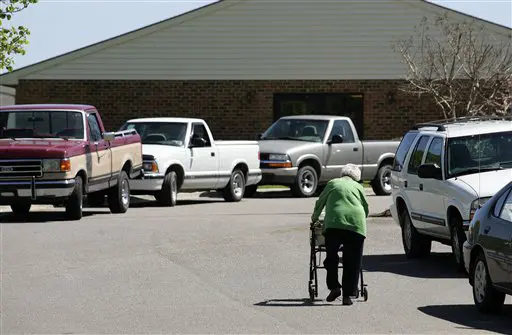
x: 305, y: 302
x: 139, y: 203
x: 469, y: 318
x: 438, y: 265
x: 38, y: 217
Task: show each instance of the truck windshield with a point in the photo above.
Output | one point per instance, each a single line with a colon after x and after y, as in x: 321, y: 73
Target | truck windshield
x: 479, y: 153
x: 297, y: 129
x: 42, y: 124
x: 163, y: 133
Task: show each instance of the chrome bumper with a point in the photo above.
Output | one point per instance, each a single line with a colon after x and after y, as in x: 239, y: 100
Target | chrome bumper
x: 35, y: 189
x: 148, y: 182
x: 278, y: 175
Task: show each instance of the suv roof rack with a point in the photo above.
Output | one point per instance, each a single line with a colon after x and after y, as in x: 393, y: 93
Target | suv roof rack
x: 439, y: 124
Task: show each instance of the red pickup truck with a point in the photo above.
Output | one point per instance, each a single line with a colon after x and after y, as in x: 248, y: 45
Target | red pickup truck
x: 57, y: 154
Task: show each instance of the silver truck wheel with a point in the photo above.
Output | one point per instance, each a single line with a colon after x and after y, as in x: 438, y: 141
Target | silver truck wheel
x: 306, y: 182
x: 381, y: 184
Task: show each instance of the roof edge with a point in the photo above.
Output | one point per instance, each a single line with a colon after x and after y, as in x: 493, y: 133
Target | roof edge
x: 438, y: 6
x: 12, y: 77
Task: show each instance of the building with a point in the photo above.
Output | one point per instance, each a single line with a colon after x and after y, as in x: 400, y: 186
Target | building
x: 7, y: 96
x: 240, y: 64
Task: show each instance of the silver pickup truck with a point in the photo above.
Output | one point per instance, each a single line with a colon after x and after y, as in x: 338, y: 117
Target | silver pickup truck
x: 305, y: 152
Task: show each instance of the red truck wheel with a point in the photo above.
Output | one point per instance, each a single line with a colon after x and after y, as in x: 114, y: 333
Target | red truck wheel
x: 119, y: 196
x: 75, y: 202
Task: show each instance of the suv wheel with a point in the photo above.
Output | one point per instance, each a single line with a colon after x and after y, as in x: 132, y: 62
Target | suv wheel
x: 306, y: 182
x: 458, y: 237
x: 487, y: 298
x: 415, y: 244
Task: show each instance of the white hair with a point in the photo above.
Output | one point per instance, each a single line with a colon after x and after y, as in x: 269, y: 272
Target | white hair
x: 352, y: 171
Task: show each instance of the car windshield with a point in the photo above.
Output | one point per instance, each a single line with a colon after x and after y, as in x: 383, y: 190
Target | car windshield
x: 163, y: 133
x: 297, y: 129
x: 478, y: 153
x: 41, y: 124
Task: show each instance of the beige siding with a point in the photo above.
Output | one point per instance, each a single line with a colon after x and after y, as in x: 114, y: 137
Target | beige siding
x: 7, y: 96
x: 262, y: 40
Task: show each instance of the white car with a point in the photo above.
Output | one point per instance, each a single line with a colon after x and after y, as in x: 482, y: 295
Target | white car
x: 442, y: 174
x: 180, y: 155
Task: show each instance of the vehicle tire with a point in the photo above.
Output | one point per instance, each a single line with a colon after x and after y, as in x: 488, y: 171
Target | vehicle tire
x: 74, y: 205
x: 487, y: 299
x: 21, y: 208
x: 96, y: 199
x: 250, y: 191
x: 306, y: 182
x: 168, y: 196
x: 458, y: 237
x: 234, y: 190
x: 119, y: 195
x: 381, y: 184
x: 415, y: 244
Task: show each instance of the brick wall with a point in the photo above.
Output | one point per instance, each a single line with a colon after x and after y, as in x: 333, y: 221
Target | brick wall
x: 233, y: 109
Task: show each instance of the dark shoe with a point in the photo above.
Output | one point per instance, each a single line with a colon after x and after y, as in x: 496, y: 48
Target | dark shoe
x: 333, y: 295
x: 347, y: 301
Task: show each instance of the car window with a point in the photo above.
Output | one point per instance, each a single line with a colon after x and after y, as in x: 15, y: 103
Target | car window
x: 199, y: 130
x: 506, y: 208
x: 417, y: 155
x: 94, y: 128
x: 499, y: 203
x: 402, y: 150
x: 434, y: 151
x: 342, y: 127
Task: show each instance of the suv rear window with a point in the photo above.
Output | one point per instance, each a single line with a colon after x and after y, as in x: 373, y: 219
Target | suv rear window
x: 403, y: 148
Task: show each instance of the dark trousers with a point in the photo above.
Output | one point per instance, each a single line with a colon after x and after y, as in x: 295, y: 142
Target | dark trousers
x: 352, y: 259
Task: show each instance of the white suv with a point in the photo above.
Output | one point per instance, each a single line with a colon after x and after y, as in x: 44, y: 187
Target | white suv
x: 442, y: 173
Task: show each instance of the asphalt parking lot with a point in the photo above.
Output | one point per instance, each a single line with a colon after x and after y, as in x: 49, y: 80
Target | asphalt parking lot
x: 207, y: 266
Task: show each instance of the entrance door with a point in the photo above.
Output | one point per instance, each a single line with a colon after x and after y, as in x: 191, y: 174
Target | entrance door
x: 339, y: 104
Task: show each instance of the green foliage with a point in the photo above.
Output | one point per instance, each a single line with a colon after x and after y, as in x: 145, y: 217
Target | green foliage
x: 12, y: 39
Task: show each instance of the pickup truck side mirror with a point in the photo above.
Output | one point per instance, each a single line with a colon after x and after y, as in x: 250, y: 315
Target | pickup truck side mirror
x: 197, y: 142
x: 430, y: 171
x: 335, y: 139
x: 109, y: 136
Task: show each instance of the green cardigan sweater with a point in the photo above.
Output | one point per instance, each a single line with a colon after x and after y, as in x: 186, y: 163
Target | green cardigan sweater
x: 345, y: 205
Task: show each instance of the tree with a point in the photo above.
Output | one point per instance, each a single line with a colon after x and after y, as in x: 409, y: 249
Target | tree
x: 466, y: 69
x: 13, y: 39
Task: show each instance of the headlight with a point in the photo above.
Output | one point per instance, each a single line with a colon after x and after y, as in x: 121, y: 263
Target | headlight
x: 278, y: 157
x: 150, y: 167
x: 57, y: 165
x: 476, y: 205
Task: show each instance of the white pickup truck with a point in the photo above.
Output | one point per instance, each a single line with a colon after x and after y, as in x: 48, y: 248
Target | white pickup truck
x: 180, y: 155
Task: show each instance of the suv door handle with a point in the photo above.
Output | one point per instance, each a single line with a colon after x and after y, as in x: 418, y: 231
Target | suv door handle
x: 405, y: 183
x: 421, y: 187
x: 212, y: 154
x: 356, y: 149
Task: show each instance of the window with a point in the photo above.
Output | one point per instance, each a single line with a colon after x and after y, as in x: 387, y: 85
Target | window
x: 42, y: 124
x: 94, y: 128
x: 401, y: 151
x: 417, y: 155
x: 503, y: 207
x: 479, y: 153
x: 199, y: 131
x: 434, y: 151
x: 341, y: 127
x: 163, y: 133
x: 297, y: 129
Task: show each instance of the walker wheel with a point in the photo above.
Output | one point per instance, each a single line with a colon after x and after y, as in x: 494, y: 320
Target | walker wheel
x: 311, y: 291
x: 365, y: 294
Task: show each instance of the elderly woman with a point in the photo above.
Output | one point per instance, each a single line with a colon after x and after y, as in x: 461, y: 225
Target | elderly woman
x: 346, y: 210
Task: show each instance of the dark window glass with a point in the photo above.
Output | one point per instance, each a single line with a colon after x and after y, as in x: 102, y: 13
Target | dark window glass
x: 434, y: 151
x: 341, y: 127
x: 417, y: 155
x: 401, y: 151
x: 94, y: 128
